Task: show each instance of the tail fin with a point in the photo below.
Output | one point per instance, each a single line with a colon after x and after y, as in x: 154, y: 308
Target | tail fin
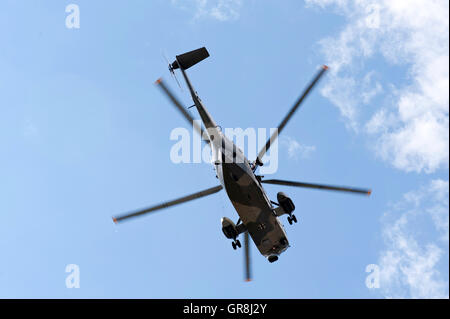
x: 188, y: 59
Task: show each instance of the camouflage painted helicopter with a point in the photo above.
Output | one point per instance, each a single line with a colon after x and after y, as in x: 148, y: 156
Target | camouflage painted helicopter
x: 258, y: 215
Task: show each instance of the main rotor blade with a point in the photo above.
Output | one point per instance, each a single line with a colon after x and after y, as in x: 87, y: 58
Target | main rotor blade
x: 318, y: 186
x: 294, y: 108
x: 184, y: 199
x: 248, y: 275
x: 197, y: 127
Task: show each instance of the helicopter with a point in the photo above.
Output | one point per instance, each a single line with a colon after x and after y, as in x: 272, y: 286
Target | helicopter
x: 259, y: 217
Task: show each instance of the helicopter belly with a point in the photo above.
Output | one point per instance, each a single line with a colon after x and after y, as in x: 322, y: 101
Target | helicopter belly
x: 254, y: 209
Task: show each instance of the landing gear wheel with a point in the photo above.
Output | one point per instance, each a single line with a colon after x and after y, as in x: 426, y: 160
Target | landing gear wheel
x: 289, y: 220
x: 238, y: 243
x: 234, y: 245
x: 294, y: 219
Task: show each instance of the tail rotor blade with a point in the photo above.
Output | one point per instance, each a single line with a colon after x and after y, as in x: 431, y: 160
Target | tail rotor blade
x: 176, y: 80
x: 248, y: 274
x: 163, y: 53
x: 175, y: 77
x: 171, y: 69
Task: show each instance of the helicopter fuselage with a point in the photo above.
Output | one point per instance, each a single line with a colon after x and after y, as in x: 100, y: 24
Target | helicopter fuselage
x: 250, y: 200
x: 244, y: 190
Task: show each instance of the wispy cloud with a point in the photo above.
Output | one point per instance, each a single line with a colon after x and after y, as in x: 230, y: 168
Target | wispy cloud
x: 412, y: 131
x: 296, y: 150
x: 415, y: 265
x: 221, y: 10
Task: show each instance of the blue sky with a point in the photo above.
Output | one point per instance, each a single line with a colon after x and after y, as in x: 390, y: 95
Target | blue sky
x: 85, y: 133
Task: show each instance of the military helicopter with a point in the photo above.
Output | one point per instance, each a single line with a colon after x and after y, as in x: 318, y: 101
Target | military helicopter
x: 259, y: 217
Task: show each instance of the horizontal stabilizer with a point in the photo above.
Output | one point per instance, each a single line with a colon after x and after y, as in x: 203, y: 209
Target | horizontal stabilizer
x: 186, y: 60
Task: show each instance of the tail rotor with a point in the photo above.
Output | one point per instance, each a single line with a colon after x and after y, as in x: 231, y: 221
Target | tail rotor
x: 171, y: 69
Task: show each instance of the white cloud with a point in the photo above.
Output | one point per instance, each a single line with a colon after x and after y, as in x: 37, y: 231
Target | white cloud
x: 411, y: 132
x: 222, y: 10
x: 295, y: 149
x: 412, y: 266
